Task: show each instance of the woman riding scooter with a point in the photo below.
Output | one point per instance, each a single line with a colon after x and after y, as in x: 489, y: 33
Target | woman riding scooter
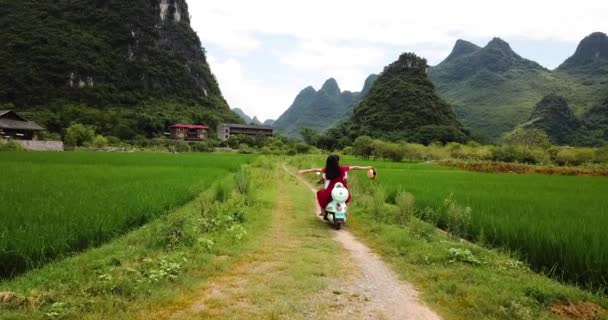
x: 332, y: 173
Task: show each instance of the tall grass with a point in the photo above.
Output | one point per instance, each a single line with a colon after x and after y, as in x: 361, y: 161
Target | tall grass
x: 557, y: 223
x: 58, y: 203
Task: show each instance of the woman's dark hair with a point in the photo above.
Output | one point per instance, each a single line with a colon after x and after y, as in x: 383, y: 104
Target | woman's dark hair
x: 332, y: 167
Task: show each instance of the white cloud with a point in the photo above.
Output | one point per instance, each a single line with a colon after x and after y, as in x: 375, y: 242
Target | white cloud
x: 348, y: 38
x: 397, y: 22
x: 254, y: 97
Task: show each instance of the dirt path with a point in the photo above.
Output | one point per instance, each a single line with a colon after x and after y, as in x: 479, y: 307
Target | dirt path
x: 298, y: 271
x: 388, y: 296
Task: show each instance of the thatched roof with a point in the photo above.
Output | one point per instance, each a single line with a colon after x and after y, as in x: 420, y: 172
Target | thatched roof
x: 11, y: 120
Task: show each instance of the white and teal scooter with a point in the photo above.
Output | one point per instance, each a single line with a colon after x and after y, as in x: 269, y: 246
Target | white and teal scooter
x: 336, y: 209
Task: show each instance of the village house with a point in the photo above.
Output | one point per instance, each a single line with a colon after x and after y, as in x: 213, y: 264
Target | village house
x: 26, y: 133
x: 189, y: 132
x: 225, y: 130
x: 16, y: 127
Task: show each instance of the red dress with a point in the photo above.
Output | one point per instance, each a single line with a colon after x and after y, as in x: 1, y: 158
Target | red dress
x: 324, y: 195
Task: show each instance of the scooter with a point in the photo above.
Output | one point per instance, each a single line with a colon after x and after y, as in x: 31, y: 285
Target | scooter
x: 336, y: 209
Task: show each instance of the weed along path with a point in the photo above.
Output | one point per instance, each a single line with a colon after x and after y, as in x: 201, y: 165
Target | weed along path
x: 300, y: 270
x: 386, y: 295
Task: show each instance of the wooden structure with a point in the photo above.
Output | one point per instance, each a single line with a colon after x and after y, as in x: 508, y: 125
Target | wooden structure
x: 225, y: 130
x: 16, y: 127
x: 189, y: 132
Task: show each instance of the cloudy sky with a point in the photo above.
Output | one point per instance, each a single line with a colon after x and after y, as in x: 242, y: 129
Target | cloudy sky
x: 264, y: 52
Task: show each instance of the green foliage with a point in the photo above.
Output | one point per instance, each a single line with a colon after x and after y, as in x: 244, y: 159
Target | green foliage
x: 574, y: 157
x: 594, y: 131
x: 310, y: 136
x: 99, y: 142
x: 402, y: 104
x: 528, y: 138
x: 84, y: 199
x: 79, y: 135
x: 10, y: 146
x: 406, y: 204
x: 520, y: 154
x: 320, y: 110
x: 150, y: 263
x: 52, y: 136
x: 553, y: 116
x: 123, y: 54
x: 457, y: 218
x: 538, y: 216
x: 363, y: 147
x: 242, y: 182
x: 493, y: 89
x: 148, y: 120
x: 463, y: 255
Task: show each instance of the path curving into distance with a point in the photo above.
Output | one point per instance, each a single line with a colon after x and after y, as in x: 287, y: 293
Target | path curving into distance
x: 387, y: 295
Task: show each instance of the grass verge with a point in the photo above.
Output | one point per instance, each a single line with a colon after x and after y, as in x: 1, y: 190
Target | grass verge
x: 149, y: 266
x: 288, y: 276
x: 461, y: 280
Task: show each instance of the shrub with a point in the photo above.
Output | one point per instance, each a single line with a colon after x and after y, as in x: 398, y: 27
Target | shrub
x: 457, y: 218
x: 79, y: 135
x: 242, y: 181
x: 363, y: 147
x: 245, y: 149
x: 520, y: 154
x: 348, y: 151
x: 10, y: 146
x: 202, y: 146
x: 113, y: 141
x: 574, y: 156
x: 52, y: 136
x: 601, y: 155
x: 527, y: 137
x: 421, y: 230
x: 406, y: 205
x: 463, y: 255
x: 100, y: 142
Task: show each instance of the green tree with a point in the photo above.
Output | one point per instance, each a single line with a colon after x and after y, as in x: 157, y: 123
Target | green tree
x: 363, y: 147
x: 100, y: 142
x: 310, y: 136
x: 78, y: 134
x: 529, y: 137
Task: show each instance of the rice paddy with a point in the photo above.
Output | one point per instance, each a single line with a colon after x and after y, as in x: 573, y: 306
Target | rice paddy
x: 53, y: 204
x: 556, y: 223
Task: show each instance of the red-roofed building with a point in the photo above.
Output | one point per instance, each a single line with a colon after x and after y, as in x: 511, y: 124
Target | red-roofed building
x: 189, y: 132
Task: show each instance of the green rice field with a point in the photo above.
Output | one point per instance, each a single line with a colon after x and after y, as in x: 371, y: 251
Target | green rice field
x: 54, y: 204
x: 559, y: 224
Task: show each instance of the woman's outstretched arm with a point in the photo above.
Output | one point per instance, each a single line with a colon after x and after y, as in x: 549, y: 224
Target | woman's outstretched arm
x: 310, y: 170
x: 361, y: 168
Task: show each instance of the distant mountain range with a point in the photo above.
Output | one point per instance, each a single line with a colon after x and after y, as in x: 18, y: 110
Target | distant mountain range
x: 321, y: 109
x: 249, y: 120
x: 493, y: 89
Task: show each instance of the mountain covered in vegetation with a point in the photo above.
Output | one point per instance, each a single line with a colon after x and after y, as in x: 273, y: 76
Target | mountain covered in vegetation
x: 319, y: 110
x: 107, y: 55
x: 590, y: 57
x: 553, y: 115
x: 594, y: 130
x: 402, y: 104
x: 493, y: 89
